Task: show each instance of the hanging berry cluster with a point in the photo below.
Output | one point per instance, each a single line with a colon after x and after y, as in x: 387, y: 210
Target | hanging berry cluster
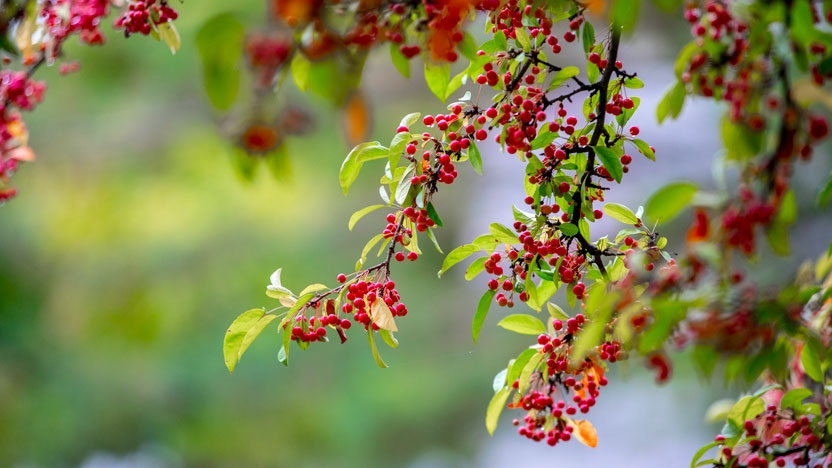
x: 569, y: 125
x: 34, y: 37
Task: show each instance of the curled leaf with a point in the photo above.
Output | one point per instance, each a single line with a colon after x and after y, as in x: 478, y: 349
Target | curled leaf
x: 275, y: 289
x: 585, y: 433
x: 382, y: 315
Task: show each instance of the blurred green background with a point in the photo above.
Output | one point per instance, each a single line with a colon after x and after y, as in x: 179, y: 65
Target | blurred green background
x: 133, y: 244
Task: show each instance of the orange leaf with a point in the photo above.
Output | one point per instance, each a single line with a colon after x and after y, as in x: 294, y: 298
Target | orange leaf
x: 701, y: 227
x: 357, y: 119
x: 17, y: 129
x: 22, y: 153
x: 585, y: 433
x: 596, y: 7
x: 296, y: 12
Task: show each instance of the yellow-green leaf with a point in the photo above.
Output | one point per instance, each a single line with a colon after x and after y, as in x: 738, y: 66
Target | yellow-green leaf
x: 620, y: 213
x: 523, y: 323
x: 495, y: 408
x: 235, y: 335
x: 361, y: 213
x: 669, y: 200
x: 374, y: 349
x: 254, y: 332
x: 169, y: 34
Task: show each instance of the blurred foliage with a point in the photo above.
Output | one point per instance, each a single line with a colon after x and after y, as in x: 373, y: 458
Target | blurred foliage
x: 133, y: 245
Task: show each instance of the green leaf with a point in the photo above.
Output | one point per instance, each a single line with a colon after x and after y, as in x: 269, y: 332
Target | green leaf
x: 544, y: 138
x: 457, y: 255
x: 633, y: 83
x: 748, y: 407
x: 456, y: 82
x: 401, y: 62
x: 825, y: 194
x: 788, y: 209
x: 669, y: 201
x: 474, y: 157
x: 620, y: 213
x: 684, y: 58
x: 777, y: 236
x: 432, y: 214
x: 169, y: 34
x: 300, y: 68
x: 499, y: 380
x: 495, y: 408
x: 519, y: 364
x: 468, y: 47
x: 355, y: 160
x: 482, y: 312
x: 562, y: 75
x: 254, y: 332
x: 361, y: 213
x: 236, y: 334
x: 705, y: 358
x: 672, y: 102
x: 624, y: 14
x: 523, y: 39
x: 701, y: 452
x: 500, y: 40
x: 283, y: 354
x: 543, y: 293
x: 588, y: 37
x: 569, y: 229
x: 718, y: 410
x: 312, y: 288
x: 523, y: 324
x: 644, y: 149
x: 374, y: 349
x: 220, y: 45
x: 667, y: 313
x: 388, y: 338
x: 433, y: 240
x: 409, y: 119
x: 610, y: 158
x: 593, y: 73
x: 556, y: 312
x: 583, y: 228
x: 528, y: 370
x: 370, y: 244
x: 794, y: 398
x: 503, y: 234
x: 811, y: 361
x: 438, y: 78
x: 475, y: 268
x: 741, y: 143
x: 404, y: 184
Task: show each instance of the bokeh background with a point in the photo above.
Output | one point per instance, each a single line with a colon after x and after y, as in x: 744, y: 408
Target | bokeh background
x: 133, y: 244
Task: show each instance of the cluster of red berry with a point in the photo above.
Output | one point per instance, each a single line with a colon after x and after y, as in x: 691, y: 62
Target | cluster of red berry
x: 562, y: 388
x: 372, y: 304
x: 143, y: 16
x: 83, y: 18
x: 57, y: 20
x: 777, y: 436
